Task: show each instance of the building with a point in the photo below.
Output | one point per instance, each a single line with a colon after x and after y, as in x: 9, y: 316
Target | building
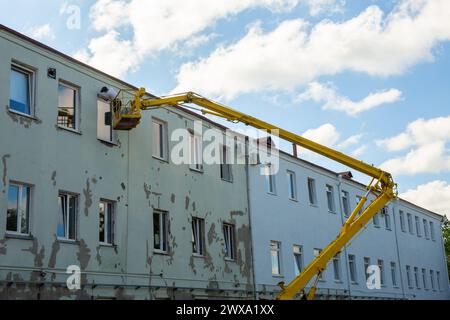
x: 76, y: 193
x: 296, y: 212
x: 77, y: 196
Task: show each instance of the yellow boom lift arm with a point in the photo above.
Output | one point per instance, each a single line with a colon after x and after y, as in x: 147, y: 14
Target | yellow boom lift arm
x: 127, y: 115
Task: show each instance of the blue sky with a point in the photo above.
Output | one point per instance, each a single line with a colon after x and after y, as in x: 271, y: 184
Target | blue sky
x: 370, y: 78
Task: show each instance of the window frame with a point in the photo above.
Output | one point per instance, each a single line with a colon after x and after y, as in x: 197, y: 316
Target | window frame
x: 353, y: 273
x: 277, y: 250
x: 298, y: 259
x: 163, y: 140
x: 224, y: 157
x: 109, y: 205
x: 292, y: 185
x: 410, y: 223
x: 330, y: 198
x: 18, y: 231
x: 312, y: 193
x: 380, y: 263
x: 418, y: 229
x: 426, y: 231
x: 319, y: 251
x: 432, y: 234
x: 163, y: 219
x: 394, y: 279
x: 198, y: 226
x: 270, y: 180
x: 77, y: 107
x: 31, y: 73
x: 196, y: 155
x: 366, y: 263
x: 67, y: 226
x: 228, y: 230
x: 345, y: 196
x: 416, y: 277
x: 337, y: 271
x: 401, y: 214
x: 408, y: 276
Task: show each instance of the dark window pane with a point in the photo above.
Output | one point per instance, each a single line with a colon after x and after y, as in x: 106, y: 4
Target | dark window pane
x: 156, y: 232
x: 110, y: 219
x: 11, y: 217
x: 72, y: 217
x: 66, y: 107
x: 101, y: 227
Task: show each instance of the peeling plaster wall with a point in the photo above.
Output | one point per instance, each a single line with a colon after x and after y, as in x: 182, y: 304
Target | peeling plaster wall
x: 278, y: 218
x: 35, y: 151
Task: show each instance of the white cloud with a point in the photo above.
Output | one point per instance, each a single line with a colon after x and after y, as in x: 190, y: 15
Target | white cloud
x: 325, y: 134
x: 157, y: 25
x: 359, y: 151
x: 425, y: 142
x: 434, y: 196
x: 295, y: 53
x: 44, y: 32
x: 317, y: 7
x: 327, y: 94
x: 350, y: 141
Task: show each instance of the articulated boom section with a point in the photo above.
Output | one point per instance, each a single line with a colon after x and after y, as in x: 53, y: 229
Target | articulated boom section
x: 127, y: 115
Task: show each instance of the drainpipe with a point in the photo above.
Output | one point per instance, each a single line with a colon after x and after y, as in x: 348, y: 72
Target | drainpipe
x: 345, y: 247
x: 397, y: 248
x: 247, y: 178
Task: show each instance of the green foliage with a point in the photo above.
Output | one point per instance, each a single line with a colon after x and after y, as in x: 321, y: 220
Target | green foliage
x: 446, y: 235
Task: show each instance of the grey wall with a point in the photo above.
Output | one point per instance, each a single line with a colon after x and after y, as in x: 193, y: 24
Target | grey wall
x: 36, y: 152
x: 277, y: 218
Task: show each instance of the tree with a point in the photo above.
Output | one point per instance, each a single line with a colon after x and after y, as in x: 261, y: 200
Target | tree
x: 446, y: 235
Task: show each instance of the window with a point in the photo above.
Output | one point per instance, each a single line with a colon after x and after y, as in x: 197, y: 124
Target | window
x: 438, y: 280
x: 159, y: 139
x: 275, y: 248
x: 228, y: 232
x: 292, y: 187
x: 352, y: 268
x: 419, y: 234
x: 416, y: 277
x: 410, y: 223
x: 196, y: 152
x: 225, y: 165
x: 330, y: 198
x: 432, y: 231
x: 160, y: 231
x: 425, y: 229
x: 198, y: 236
x: 358, y: 200
x: 424, y: 278
x: 316, y: 253
x: 381, y: 266
x: 67, y: 106
x: 387, y: 218
x: 432, y: 279
x: 270, y: 180
x: 106, y: 222
x: 376, y: 220
x: 402, y: 221
x: 408, y: 276
x: 346, y: 203
x: 104, y: 131
x: 67, y: 216
x: 18, y: 214
x: 394, y: 274
x: 337, y: 267
x: 21, y: 90
x: 312, y: 191
x: 366, y: 266
x: 298, y: 259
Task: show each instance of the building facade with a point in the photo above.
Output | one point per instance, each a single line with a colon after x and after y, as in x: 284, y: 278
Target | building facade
x: 75, y: 193
x: 296, y: 212
x: 77, y: 196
